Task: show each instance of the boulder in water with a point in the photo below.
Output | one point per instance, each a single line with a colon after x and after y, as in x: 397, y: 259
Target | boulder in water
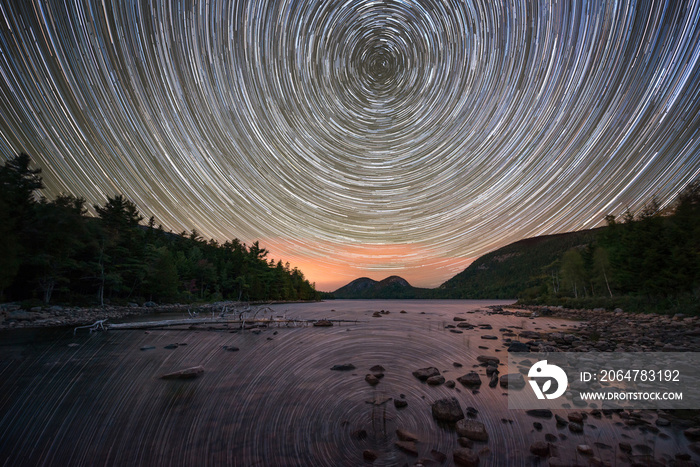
x: 513, y: 380
x: 400, y: 403
x: 472, y: 429
x: 435, y: 380
x: 517, y: 346
x: 540, y: 449
x: 447, y: 410
x: 465, y: 457
x: 471, y: 379
x: 425, y: 373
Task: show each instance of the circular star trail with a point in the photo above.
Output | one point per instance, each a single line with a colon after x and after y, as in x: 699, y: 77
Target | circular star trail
x: 379, y: 135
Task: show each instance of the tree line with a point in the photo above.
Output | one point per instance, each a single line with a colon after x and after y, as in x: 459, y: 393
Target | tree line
x: 650, y: 259
x: 53, y: 251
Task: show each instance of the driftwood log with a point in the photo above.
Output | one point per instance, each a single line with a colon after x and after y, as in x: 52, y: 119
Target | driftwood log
x: 259, y: 322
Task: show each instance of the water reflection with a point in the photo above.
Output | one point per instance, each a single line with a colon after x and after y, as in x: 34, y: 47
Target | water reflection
x: 275, y: 401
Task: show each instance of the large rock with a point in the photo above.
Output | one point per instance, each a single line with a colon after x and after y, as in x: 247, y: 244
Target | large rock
x: 447, y: 410
x: 435, y: 380
x: 425, y: 373
x: 517, y: 346
x: 472, y: 429
x: 471, y: 379
x: 187, y: 373
x: 513, y: 380
x: 488, y: 359
x: 465, y: 457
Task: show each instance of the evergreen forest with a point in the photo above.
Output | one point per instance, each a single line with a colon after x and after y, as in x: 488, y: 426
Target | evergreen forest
x: 54, y: 252
x: 643, y: 261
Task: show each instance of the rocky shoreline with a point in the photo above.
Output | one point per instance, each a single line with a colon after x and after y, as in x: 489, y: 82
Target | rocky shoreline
x: 12, y: 316
x: 600, y: 330
x: 588, y: 331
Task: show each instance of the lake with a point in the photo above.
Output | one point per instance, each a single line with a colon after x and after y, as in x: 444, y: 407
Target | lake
x: 97, y: 398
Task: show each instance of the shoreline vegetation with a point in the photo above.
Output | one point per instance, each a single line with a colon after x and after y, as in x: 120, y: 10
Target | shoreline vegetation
x: 53, y: 252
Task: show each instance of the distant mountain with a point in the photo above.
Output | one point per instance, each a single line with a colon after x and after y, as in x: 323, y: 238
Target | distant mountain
x: 503, y: 273
x: 391, y: 287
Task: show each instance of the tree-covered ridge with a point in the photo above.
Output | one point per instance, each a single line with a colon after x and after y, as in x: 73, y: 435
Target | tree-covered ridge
x: 53, y: 251
x: 508, y: 271
x: 644, y: 261
x: 652, y: 255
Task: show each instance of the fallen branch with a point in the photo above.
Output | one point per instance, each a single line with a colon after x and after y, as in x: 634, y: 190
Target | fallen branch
x: 96, y: 326
x: 241, y: 322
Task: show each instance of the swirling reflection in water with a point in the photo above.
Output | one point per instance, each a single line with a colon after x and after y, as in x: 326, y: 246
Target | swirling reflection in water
x: 273, y: 402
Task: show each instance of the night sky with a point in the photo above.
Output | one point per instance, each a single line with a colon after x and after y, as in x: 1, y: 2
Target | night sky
x: 358, y: 138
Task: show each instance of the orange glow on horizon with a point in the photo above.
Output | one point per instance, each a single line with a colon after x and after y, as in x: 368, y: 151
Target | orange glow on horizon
x: 342, y: 264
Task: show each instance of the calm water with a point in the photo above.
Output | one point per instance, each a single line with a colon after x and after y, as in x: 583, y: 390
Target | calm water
x: 275, y: 401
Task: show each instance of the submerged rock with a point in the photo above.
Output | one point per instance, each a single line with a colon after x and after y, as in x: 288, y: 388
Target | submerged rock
x: 187, y: 373
x: 370, y: 455
x: 540, y: 413
x: 407, y: 446
x: 404, y: 435
x: 465, y: 457
x: 540, y: 448
x: 343, y: 367
x: 438, y: 456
